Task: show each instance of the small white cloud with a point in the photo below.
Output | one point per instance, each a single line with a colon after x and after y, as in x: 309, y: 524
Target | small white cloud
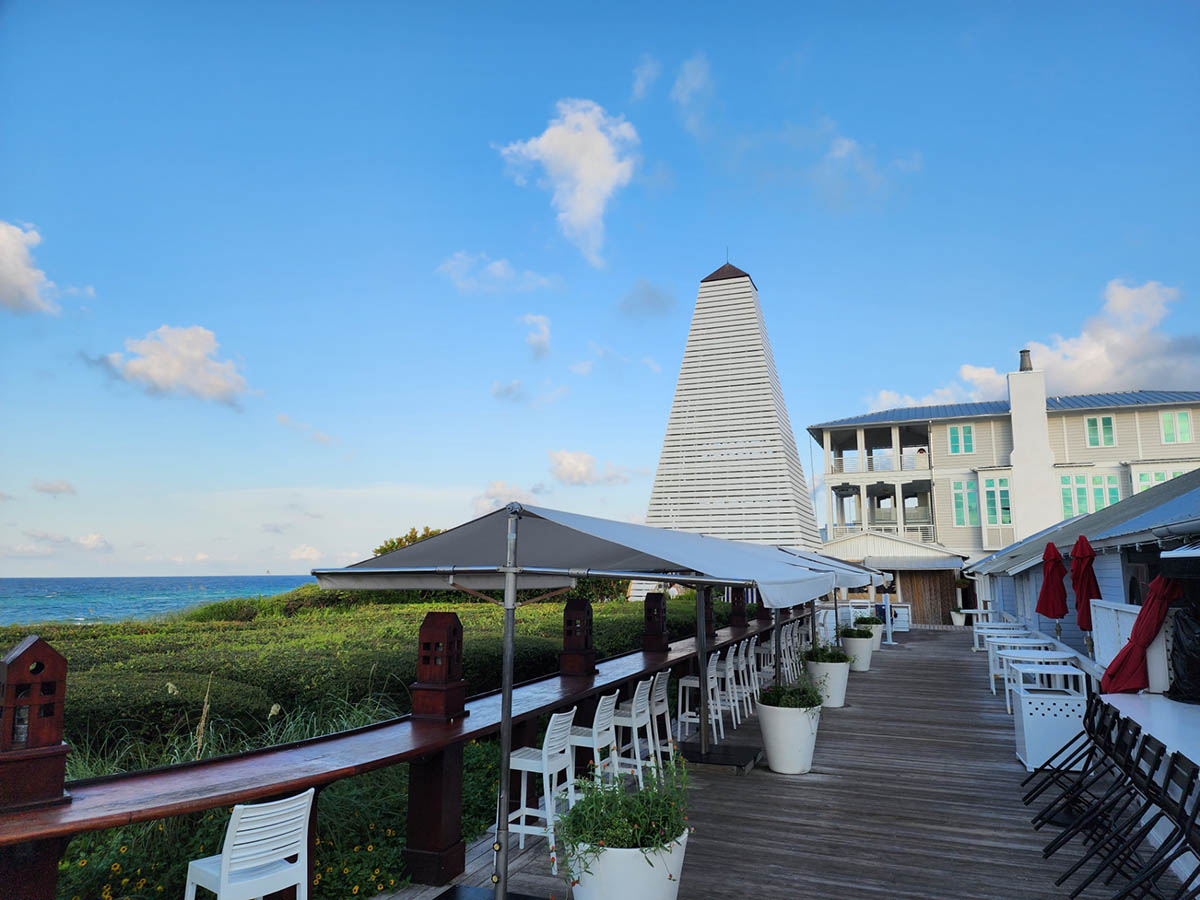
x: 27, y: 551
x: 579, y: 467
x: 304, y: 551
x: 551, y: 393
x: 23, y: 286
x: 179, y: 360
x: 275, y: 527
x: 645, y: 299
x: 583, y: 367
x: 512, y: 391
x: 585, y: 158
x: 499, y: 494
x: 645, y: 73
x: 47, y: 537
x: 539, y: 338
x: 54, y: 488
x: 650, y: 363
x: 96, y: 543
x: 303, y: 428
x: 475, y: 273
x: 1121, y: 348
x: 692, y: 92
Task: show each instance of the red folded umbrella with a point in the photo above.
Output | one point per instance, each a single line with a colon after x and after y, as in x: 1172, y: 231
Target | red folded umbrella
x: 1052, y: 598
x: 1083, y: 580
x: 1127, y: 674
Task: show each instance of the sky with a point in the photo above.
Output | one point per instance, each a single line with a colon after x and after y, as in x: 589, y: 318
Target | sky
x: 281, y: 280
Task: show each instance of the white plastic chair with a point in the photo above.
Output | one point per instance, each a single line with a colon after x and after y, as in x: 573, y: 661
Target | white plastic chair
x: 750, y: 673
x: 727, y: 679
x: 689, y: 716
x: 635, y: 717
x: 554, y: 759
x: 600, y: 736
x: 662, y: 741
x: 265, y: 850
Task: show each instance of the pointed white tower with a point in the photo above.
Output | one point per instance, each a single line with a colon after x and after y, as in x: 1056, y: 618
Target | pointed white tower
x: 729, y: 466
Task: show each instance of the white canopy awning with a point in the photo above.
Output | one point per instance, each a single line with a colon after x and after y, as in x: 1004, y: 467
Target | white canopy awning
x: 557, y: 547
x: 846, y: 574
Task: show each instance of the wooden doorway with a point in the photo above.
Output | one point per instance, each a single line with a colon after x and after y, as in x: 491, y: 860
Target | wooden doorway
x: 931, y: 595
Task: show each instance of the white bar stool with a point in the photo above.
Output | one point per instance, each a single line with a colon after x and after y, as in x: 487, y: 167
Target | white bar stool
x: 600, y: 736
x: 683, y: 701
x: 554, y: 759
x: 636, y: 717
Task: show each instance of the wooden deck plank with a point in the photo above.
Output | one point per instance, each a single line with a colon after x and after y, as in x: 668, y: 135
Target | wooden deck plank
x: 914, y: 794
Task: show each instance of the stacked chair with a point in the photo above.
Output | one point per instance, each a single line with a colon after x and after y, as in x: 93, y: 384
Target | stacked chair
x: 1108, y: 787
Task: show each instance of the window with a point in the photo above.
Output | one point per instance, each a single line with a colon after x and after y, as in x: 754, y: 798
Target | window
x: 1074, y: 495
x: 962, y: 439
x: 1068, y: 498
x: 1099, y: 431
x: 1149, y: 479
x: 1177, y: 427
x: 1106, y: 491
x: 966, y: 502
x: 995, y: 495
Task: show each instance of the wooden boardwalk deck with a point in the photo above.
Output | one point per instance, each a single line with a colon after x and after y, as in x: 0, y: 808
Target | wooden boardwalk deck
x: 913, y: 794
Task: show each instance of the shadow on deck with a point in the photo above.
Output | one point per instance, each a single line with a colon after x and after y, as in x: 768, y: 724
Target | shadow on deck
x: 914, y: 793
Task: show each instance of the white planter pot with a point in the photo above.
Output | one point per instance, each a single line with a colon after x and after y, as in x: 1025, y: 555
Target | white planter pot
x: 789, y: 736
x: 860, y: 653
x: 958, y: 618
x: 877, y: 632
x: 830, y: 679
x: 623, y: 874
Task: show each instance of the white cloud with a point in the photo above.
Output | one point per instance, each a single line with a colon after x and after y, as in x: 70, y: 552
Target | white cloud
x: 579, y: 467
x: 538, y: 339
x: 96, y: 543
x: 304, y: 551
x: 499, y: 494
x: 650, y: 363
x: 645, y: 73
x: 27, y: 551
x: 1121, y: 348
x: 583, y: 367
x: 508, y: 390
x: 23, y: 286
x: 179, y: 360
x: 848, y: 171
x: 692, y: 92
x: 645, y: 299
x: 47, y: 537
x: 304, y: 428
x: 54, y: 488
x: 584, y: 156
x: 551, y: 393
x: 475, y: 273
x: 346, y: 557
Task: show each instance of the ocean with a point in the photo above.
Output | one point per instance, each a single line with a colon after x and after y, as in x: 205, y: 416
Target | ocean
x: 32, y: 600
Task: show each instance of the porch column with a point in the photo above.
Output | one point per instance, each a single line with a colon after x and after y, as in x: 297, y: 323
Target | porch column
x: 899, y: 488
x: 862, y: 449
x: 896, y: 447
x: 862, y: 506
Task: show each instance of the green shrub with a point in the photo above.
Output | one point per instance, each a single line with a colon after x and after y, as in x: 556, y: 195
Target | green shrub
x: 826, y: 653
x: 849, y: 631
x: 801, y: 695
x: 868, y: 620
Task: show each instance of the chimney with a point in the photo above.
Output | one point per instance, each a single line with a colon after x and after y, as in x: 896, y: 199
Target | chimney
x: 1026, y: 362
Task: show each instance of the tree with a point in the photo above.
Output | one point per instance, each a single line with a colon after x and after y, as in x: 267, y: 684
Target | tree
x: 405, y: 539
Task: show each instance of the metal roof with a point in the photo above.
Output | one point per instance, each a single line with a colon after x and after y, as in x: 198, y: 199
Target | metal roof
x: 1062, y: 403
x: 914, y: 563
x: 1145, y: 510
x: 725, y: 273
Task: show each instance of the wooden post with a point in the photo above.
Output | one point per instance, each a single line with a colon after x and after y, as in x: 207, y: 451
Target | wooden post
x: 435, y: 852
x: 764, y: 614
x: 737, y: 615
x: 578, y: 656
x: 655, y: 638
x: 33, y: 866
x: 710, y: 618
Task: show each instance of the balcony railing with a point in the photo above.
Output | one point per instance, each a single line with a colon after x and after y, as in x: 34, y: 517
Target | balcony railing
x: 909, y: 462
x: 925, y: 533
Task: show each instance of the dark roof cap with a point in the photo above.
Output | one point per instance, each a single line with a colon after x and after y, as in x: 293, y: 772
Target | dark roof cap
x: 727, y: 272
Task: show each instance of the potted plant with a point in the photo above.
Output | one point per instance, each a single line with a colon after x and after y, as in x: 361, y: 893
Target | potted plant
x: 957, y: 616
x: 788, y: 716
x: 873, y: 624
x: 829, y: 668
x: 857, y: 642
x: 623, y: 842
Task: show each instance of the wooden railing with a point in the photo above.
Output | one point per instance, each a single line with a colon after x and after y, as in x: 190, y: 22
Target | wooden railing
x: 32, y: 838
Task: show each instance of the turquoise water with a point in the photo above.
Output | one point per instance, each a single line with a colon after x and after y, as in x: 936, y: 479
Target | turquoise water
x: 31, y: 600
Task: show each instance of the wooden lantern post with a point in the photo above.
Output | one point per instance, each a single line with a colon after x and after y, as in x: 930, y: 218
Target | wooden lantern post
x: 737, y: 615
x: 578, y: 656
x: 33, y: 758
x: 435, y: 852
x: 763, y: 614
x: 655, y: 638
x: 710, y: 618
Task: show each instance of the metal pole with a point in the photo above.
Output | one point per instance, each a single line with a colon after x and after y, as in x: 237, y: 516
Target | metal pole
x: 837, y: 627
x: 500, y: 875
x: 778, y: 650
x: 887, y: 615
x: 702, y: 599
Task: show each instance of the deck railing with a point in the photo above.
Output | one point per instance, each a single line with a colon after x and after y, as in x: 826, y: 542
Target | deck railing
x: 33, y: 837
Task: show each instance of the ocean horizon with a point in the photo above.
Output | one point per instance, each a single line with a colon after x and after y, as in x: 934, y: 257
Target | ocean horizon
x: 83, y: 600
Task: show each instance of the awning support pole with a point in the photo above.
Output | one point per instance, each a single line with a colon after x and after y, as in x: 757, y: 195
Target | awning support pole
x: 500, y: 875
x: 778, y: 654
x: 702, y: 601
x: 887, y: 615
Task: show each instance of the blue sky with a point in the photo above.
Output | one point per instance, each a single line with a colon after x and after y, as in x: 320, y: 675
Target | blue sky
x: 280, y: 280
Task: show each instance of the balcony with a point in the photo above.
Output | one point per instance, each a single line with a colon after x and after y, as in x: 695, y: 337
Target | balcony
x: 925, y: 533
x: 909, y: 462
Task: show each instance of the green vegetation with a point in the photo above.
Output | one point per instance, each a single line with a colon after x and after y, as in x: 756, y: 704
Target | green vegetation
x: 849, y: 631
x: 826, y: 653
x: 405, y: 539
x: 276, y: 669
x: 801, y: 695
x: 868, y: 620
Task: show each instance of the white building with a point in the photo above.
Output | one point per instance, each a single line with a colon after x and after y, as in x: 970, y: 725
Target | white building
x: 729, y: 466
x: 977, y: 477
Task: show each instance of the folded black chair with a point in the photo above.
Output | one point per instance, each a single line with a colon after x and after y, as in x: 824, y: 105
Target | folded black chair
x: 1114, y: 741
x: 1058, y: 769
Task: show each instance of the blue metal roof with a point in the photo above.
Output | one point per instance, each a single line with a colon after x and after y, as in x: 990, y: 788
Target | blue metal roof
x: 1000, y: 407
x: 1173, y: 511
